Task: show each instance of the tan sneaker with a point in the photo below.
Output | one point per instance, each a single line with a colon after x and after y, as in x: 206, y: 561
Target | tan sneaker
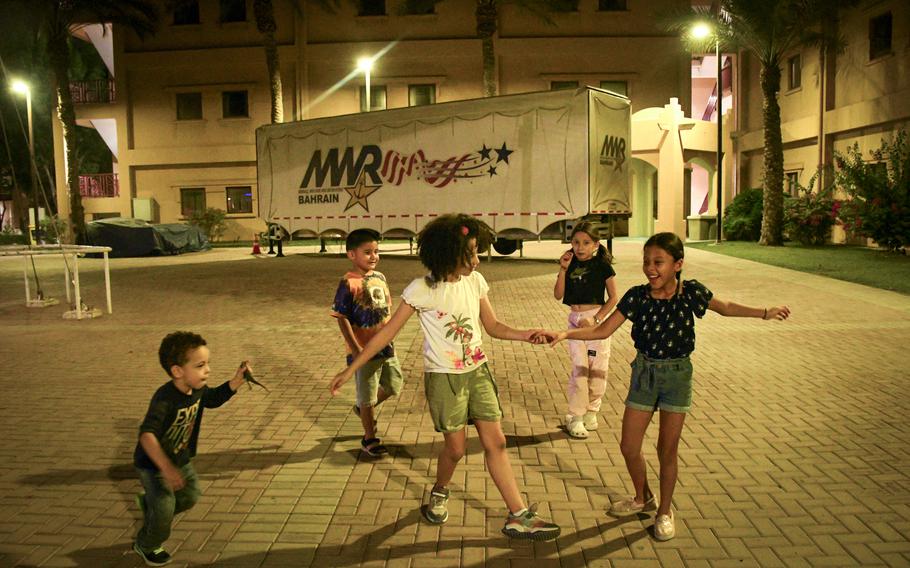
x: 664, y: 527
x: 630, y: 506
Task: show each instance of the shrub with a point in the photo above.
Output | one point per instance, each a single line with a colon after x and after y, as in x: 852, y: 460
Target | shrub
x: 53, y: 229
x: 810, y: 214
x: 212, y: 221
x: 742, y: 218
x: 878, y: 193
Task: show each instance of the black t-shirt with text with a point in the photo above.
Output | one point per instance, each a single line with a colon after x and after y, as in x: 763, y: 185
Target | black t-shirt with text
x: 665, y: 329
x: 586, y: 281
x: 174, y: 418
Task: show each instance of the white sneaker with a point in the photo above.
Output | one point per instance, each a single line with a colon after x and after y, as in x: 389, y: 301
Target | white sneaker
x: 664, y: 527
x: 575, y: 427
x: 590, y: 421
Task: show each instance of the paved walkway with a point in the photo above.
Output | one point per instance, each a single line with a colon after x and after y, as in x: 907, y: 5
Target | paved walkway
x: 795, y: 453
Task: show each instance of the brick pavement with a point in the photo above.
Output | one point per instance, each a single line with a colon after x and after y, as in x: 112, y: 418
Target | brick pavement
x: 794, y: 453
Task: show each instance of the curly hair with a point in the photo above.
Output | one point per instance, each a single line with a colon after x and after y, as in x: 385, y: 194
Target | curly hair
x: 442, y: 244
x: 175, y: 347
x: 590, y: 229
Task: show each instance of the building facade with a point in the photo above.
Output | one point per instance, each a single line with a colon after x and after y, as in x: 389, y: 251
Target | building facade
x: 184, y: 105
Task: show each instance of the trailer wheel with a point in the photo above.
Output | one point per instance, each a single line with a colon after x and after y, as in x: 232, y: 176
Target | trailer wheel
x: 506, y: 246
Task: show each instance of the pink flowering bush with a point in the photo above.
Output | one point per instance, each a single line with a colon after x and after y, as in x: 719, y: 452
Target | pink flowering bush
x: 878, y: 193
x: 810, y: 214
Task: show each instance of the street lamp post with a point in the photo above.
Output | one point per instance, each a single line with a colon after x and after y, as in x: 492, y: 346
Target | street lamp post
x: 365, y: 64
x: 22, y: 88
x: 702, y: 31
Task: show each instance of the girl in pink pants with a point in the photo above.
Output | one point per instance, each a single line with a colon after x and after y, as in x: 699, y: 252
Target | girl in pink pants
x: 585, y: 284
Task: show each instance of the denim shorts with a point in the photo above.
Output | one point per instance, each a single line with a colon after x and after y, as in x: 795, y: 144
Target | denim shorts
x: 660, y: 383
x: 456, y: 400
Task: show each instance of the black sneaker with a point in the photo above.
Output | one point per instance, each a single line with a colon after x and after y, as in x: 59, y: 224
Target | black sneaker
x: 158, y: 557
x: 436, y: 511
x: 529, y: 526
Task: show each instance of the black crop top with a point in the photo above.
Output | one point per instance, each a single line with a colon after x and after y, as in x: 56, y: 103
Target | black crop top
x: 586, y: 281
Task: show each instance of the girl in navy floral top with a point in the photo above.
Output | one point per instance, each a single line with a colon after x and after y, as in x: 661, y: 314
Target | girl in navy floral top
x: 663, y: 313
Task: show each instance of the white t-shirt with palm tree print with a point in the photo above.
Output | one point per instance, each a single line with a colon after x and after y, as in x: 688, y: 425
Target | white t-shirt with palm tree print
x: 449, y: 314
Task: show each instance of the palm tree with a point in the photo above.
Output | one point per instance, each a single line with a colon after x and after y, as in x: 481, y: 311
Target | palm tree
x: 57, y: 18
x: 265, y: 22
x: 768, y: 30
x: 486, y: 14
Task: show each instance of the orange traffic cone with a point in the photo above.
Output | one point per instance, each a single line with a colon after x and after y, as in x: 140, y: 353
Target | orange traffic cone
x: 256, y: 249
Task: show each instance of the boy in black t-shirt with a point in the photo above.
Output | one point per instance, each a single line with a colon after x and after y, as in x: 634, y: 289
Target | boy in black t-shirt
x: 167, y: 439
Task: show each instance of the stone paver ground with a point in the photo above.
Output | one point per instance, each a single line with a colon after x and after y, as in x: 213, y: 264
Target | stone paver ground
x: 795, y: 452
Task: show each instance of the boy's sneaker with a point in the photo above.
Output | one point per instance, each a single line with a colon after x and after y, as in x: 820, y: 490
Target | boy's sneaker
x: 590, y: 421
x: 664, y: 527
x: 436, y: 511
x: 529, y: 526
x: 158, y: 557
x: 630, y: 506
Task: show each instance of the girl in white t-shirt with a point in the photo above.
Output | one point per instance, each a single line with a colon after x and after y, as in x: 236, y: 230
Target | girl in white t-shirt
x: 451, y: 303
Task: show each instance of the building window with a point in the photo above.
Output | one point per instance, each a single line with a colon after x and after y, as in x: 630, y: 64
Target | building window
x: 371, y: 8
x: 189, y: 106
x: 611, y: 5
x: 377, y: 98
x: 186, y: 13
x: 235, y: 104
x: 563, y: 85
x: 880, y: 36
x: 240, y: 199
x: 192, y: 199
x: 419, y: 95
x: 792, y: 183
x: 233, y: 11
x: 618, y: 87
x: 419, y: 7
x: 794, y: 72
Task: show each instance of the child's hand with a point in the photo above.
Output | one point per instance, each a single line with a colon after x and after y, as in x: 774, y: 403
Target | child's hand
x: 777, y: 313
x: 585, y: 322
x: 338, y: 381
x: 172, y: 478
x: 534, y: 336
x: 244, y: 366
x: 545, y: 336
x: 565, y: 259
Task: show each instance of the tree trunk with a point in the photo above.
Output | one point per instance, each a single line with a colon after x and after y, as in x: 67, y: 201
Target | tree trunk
x: 265, y: 23
x: 772, y: 225
x: 486, y: 15
x: 58, y: 52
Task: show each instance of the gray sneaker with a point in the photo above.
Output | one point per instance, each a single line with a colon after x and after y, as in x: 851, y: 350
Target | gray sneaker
x: 436, y: 511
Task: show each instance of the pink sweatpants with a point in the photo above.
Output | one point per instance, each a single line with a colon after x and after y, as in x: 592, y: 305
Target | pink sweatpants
x: 590, y: 359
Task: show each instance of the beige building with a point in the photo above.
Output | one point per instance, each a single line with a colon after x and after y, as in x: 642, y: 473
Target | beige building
x: 182, y: 108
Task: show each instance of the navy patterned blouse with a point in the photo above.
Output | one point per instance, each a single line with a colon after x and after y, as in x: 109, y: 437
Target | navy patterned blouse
x: 665, y: 329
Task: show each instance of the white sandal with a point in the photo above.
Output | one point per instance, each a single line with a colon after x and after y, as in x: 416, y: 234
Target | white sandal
x: 575, y: 427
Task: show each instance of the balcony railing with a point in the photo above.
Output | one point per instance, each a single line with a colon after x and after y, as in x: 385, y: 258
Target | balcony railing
x: 99, y: 185
x: 92, y: 92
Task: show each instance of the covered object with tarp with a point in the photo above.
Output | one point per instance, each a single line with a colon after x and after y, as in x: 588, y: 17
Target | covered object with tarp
x: 135, y: 237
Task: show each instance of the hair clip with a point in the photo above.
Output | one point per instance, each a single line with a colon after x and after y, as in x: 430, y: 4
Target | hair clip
x: 464, y: 230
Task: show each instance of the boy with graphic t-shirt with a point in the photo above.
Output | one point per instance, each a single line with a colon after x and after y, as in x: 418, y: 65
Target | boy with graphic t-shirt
x: 168, y: 436
x: 362, y: 306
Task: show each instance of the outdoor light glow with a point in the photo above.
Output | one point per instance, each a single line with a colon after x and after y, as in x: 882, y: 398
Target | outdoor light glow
x: 20, y: 87
x: 701, y: 31
x: 365, y: 64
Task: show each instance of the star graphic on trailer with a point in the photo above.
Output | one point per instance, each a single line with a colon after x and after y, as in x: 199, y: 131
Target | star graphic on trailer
x: 359, y: 194
x: 491, y: 171
x: 485, y: 152
x: 502, y: 154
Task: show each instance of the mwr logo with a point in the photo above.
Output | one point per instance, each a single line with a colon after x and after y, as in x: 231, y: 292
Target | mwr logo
x: 613, y: 151
x: 373, y: 168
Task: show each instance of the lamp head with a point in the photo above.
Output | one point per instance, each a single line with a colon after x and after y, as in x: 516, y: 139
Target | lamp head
x: 20, y: 87
x: 365, y: 64
x: 701, y: 31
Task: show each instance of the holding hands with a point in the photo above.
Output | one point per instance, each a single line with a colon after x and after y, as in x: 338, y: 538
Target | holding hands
x: 776, y: 313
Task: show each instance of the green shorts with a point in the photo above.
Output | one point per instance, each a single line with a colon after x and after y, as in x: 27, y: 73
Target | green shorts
x: 385, y: 373
x: 456, y: 400
x: 660, y: 383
